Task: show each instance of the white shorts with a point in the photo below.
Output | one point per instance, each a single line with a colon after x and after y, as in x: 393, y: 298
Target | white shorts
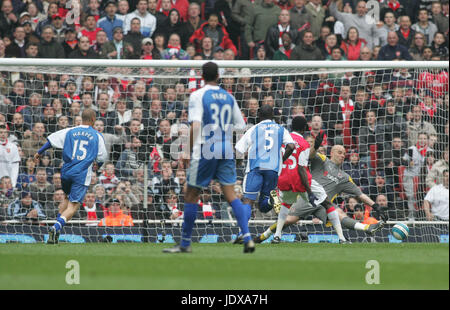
x: 290, y: 197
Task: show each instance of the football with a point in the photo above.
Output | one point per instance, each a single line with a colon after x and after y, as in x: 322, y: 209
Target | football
x: 400, y: 231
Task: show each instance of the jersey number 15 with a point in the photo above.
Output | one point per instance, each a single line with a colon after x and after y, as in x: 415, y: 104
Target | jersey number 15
x: 80, y: 145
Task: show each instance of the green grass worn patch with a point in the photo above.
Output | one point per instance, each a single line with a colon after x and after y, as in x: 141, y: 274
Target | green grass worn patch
x: 224, y: 266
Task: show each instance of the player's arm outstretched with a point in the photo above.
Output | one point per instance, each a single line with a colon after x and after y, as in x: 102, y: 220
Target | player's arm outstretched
x: 317, y: 143
x: 379, y: 213
x: 55, y: 140
x: 352, y: 189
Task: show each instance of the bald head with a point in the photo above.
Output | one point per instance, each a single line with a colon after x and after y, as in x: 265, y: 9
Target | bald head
x: 337, y: 154
x: 381, y: 200
x: 392, y: 38
x: 337, y: 147
x: 361, y: 8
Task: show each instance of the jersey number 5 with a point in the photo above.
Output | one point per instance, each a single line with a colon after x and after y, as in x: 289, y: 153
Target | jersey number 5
x: 269, y: 139
x: 81, y: 147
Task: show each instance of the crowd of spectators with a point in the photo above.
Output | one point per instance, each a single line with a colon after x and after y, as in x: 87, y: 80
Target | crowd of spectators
x: 224, y: 29
x: 393, y: 123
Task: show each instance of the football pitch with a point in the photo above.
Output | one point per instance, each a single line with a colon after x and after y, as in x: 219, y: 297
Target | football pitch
x: 225, y: 267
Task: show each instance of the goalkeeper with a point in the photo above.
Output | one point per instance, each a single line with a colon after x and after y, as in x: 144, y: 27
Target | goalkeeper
x: 328, y: 173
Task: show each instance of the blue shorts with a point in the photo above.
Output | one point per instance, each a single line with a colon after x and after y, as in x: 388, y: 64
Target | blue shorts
x: 202, y: 171
x: 74, y: 191
x: 259, y: 182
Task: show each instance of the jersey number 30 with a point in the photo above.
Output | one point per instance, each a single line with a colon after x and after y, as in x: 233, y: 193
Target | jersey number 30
x: 224, y: 114
x: 80, y: 145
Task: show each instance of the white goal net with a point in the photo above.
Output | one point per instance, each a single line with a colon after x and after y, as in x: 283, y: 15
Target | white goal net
x: 391, y: 117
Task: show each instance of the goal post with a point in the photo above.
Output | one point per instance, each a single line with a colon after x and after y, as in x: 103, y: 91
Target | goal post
x: 378, y: 110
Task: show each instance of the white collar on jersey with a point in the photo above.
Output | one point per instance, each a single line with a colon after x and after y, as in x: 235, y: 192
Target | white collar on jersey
x: 296, y: 133
x: 266, y: 121
x: 211, y: 86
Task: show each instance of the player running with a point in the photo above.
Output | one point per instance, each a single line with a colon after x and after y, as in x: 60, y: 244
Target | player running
x: 295, y: 182
x: 263, y: 144
x: 82, y: 145
x: 212, y: 113
x: 328, y: 173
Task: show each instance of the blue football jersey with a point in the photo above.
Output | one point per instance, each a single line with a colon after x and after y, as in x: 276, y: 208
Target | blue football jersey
x: 263, y: 143
x: 82, y: 145
x: 219, y: 115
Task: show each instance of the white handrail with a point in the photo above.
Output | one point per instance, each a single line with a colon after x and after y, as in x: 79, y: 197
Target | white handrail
x: 291, y: 64
x: 263, y: 222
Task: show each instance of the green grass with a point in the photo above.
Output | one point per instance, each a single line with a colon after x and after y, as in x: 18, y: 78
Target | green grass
x: 224, y: 266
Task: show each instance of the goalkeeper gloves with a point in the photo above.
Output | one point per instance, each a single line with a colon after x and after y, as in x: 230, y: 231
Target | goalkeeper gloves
x: 312, y: 198
x: 319, y: 140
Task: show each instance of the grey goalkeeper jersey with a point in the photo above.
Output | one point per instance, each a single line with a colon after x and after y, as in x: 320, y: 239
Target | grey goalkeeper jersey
x: 333, y: 179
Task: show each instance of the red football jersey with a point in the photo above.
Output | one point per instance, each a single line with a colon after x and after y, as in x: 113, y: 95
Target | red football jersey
x: 436, y: 83
x: 92, y: 35
x: 289, y: 179
x: 440, y: 84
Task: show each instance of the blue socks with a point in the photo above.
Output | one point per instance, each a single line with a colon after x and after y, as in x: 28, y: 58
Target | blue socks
x: 264, y: 204
x: 60, y: 222
x: 242, y: 213
x: 190, y: 214
x: 248, y: 210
